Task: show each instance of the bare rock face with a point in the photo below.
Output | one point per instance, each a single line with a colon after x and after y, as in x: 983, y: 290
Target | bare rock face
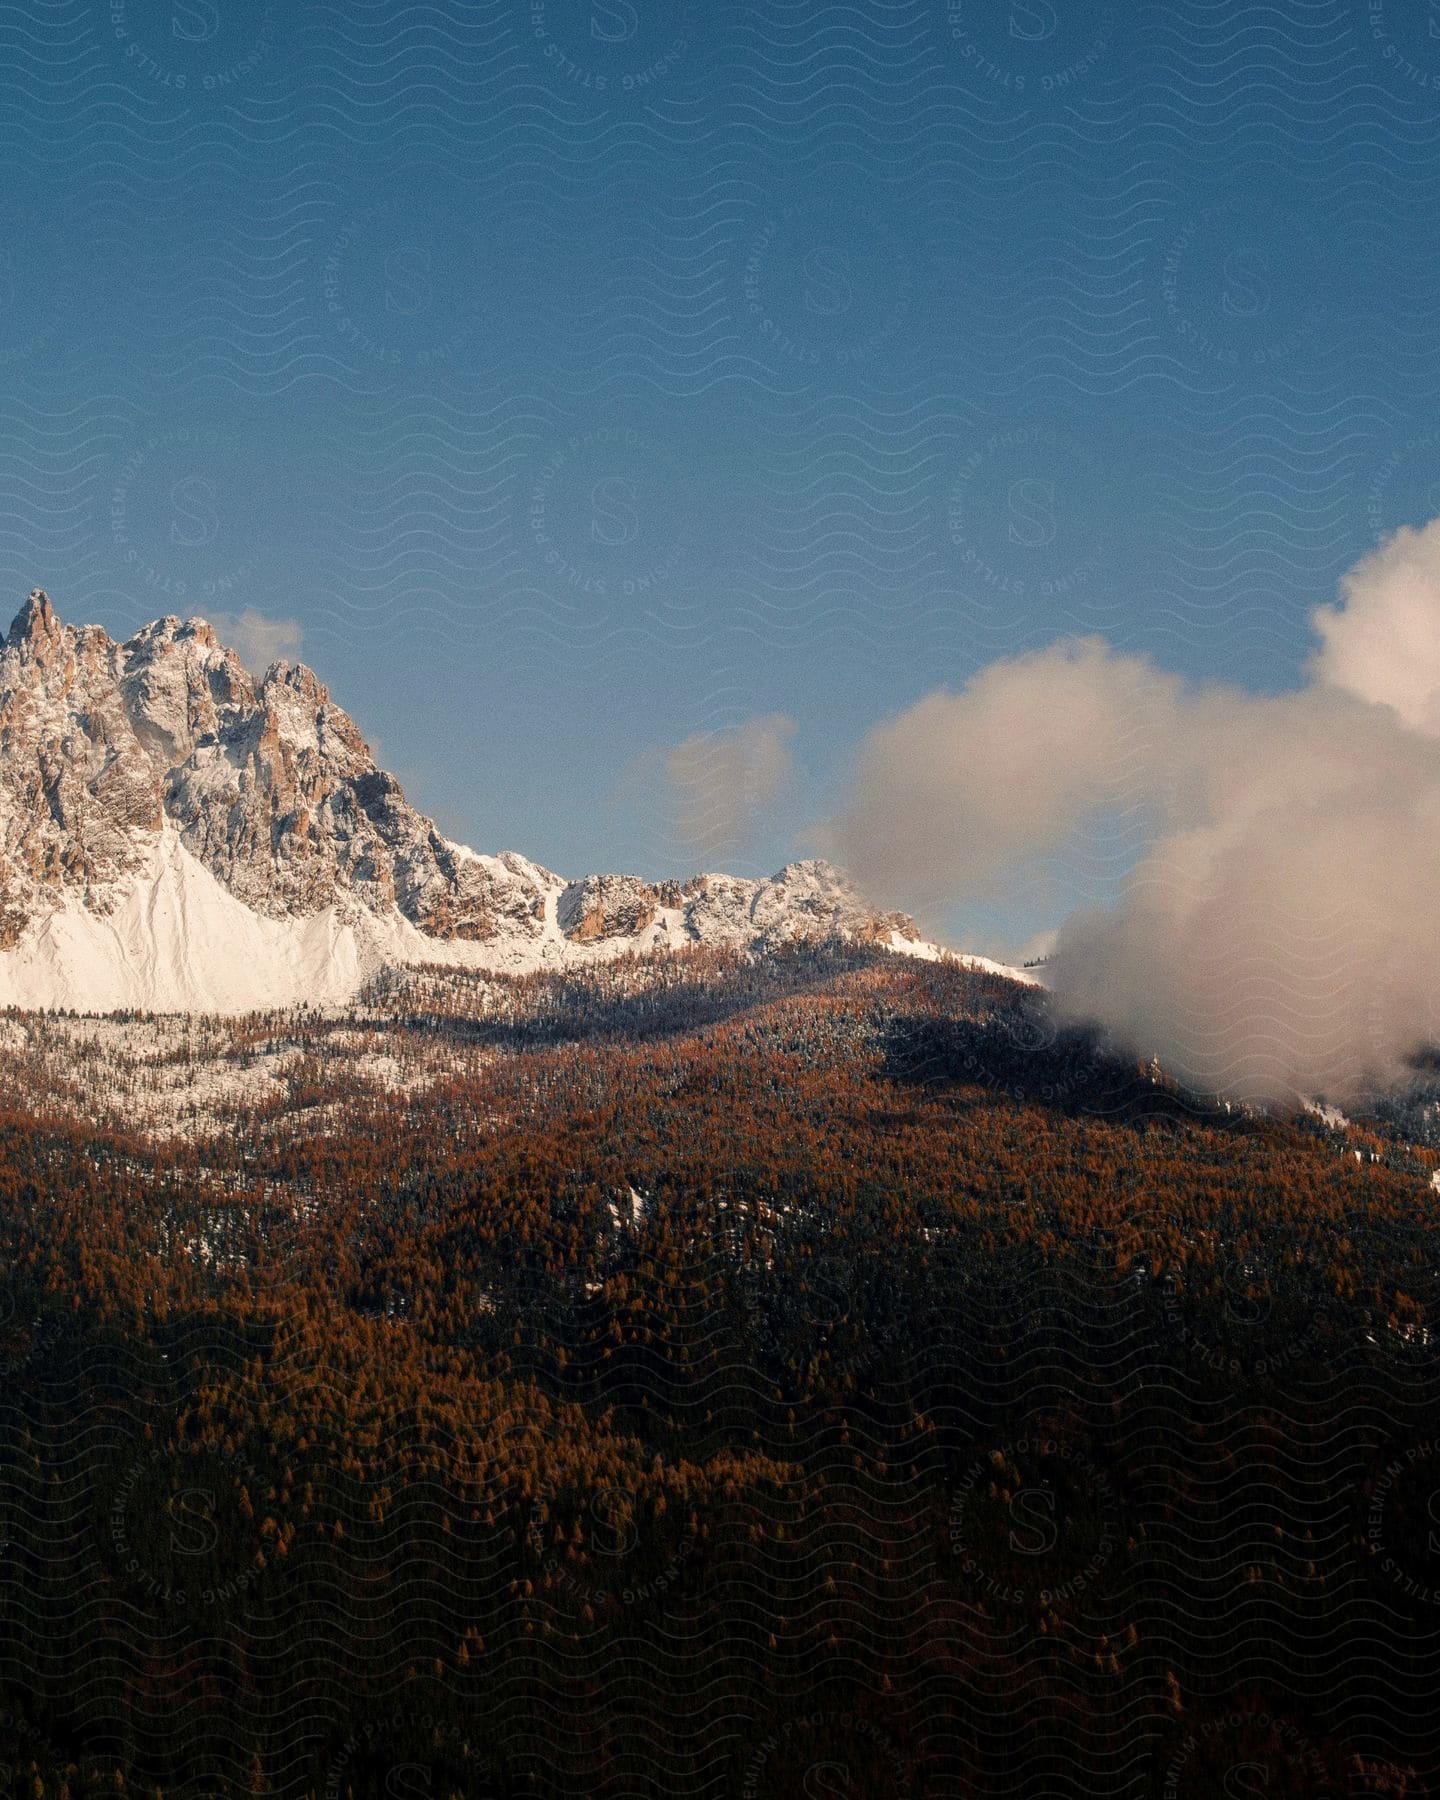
x: 271, y: 787
x: 608, y: 906
x: 77, y: 788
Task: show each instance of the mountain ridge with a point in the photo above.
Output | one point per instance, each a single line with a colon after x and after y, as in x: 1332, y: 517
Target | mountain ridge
x: 178, y: 834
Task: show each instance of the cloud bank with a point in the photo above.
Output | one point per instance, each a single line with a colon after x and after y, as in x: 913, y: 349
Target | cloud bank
x: 1279, y: 932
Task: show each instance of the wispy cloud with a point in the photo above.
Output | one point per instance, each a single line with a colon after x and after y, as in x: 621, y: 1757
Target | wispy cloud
x: 715, y: 789
x: 257, y: 639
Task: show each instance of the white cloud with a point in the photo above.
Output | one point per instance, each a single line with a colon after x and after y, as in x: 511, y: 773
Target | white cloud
x: 1383, y: 643
x: 1277, y: 932
x: 716, y: 788
x: 258, y: 640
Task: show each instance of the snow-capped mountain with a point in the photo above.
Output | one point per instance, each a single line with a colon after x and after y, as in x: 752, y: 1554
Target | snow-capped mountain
x: 175, y: 835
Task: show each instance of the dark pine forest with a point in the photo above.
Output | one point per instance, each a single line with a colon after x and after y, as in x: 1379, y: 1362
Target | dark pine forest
x: 821, y: 1376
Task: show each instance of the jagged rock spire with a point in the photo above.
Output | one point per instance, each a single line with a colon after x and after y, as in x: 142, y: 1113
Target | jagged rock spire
x: 36, y: 618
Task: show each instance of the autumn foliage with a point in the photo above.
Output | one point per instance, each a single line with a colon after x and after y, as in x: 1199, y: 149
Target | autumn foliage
x: 711, y: 1380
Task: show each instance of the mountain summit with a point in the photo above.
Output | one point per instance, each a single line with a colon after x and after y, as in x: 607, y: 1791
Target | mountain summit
x: 177, y: 835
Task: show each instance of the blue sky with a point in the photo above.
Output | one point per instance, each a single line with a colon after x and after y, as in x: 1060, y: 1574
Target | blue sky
x: 580, y: 378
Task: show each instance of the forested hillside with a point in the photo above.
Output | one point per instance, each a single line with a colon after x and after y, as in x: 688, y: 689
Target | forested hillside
x: 718, y: 1377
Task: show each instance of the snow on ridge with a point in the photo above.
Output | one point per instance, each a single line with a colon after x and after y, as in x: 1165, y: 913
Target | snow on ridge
x: 176, y: 940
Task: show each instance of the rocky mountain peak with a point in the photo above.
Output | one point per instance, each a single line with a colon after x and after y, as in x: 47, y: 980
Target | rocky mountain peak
x: 35, y: 625
x: 118, y: 759
x: 298, y: 678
